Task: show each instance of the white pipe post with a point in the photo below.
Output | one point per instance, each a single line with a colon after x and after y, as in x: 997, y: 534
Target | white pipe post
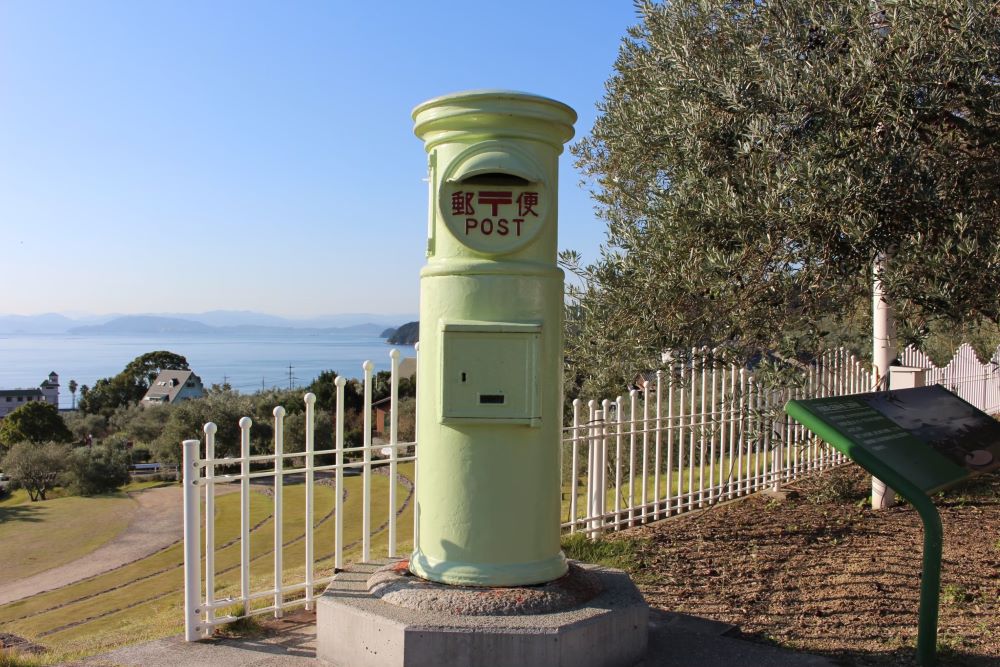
x: 669, y: 477
x: 210, y: 430
x: 717, y: 432
x: 245, y: 424
x: 778, y: 426
x: 701, y: 436
x: 192, y: 542
x: 366, y: 517
x: 605, y: 434
x: 645, y: 444
x: 732, y: 436
x: 338, y: 558
x: 310, y: 400
x: 416, y: 453
x: 668, y: 358
x: 681, y: 425
x: 658, y: 444
x: 691, y: 433
x: 574, y: 472
x: 755, y: 401
x: 883, y: 352
x: 393, y: 441
x: 633, y: 397
x: 279, y: 483
x: 744, y: 407
x: 594, y: 474
x: 618, y: 461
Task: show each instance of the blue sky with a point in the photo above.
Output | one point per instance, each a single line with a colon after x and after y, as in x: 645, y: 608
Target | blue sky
x: 192, y: 156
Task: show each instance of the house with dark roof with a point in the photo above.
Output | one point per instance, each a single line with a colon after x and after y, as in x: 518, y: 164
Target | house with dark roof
x: 47, y: 391
x: 173, y: 386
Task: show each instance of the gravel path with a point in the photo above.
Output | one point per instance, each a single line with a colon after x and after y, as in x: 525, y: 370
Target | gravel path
x: 156, y: 524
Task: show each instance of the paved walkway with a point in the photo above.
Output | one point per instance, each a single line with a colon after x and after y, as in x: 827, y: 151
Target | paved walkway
x: 675, y: 640
x: 156, y: 524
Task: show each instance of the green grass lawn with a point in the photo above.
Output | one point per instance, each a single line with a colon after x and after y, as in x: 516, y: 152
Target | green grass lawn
x: 681, y: 482
x: 143, y: 600
x: 38, y: 536
x: 16, y: 497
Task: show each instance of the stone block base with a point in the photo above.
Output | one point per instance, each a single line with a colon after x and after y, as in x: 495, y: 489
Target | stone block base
x: 358, y: 627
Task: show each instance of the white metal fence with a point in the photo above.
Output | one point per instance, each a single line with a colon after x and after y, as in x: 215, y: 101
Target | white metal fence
x: 699, y: 433
x: 704, y: 431
x: 205, y: 476
x: 974, y: 381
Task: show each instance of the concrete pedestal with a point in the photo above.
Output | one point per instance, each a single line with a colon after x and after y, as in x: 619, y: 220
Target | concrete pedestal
x: 377, y: 615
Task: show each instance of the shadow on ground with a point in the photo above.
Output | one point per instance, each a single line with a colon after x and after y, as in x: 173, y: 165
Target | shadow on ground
x: 21, y: 513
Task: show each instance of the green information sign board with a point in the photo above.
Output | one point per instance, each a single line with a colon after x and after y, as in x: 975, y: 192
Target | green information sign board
x: 928, y: 435
x: 918, y: 441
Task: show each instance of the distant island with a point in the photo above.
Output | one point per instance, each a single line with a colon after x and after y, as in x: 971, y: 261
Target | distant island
x: 149, y: 324
x: 408, y: 334
x: 211, y: 322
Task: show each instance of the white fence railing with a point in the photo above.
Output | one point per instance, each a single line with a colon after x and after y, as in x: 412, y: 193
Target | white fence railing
x: 205, y: 476
x: 974, y: 381
x: 699, y: 433
x: 704, y: 431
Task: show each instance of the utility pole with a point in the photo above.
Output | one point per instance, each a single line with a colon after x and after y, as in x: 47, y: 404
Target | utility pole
x: 289, y: 376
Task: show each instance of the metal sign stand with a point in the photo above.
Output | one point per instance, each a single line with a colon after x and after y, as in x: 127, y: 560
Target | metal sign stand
x: 908, y: 439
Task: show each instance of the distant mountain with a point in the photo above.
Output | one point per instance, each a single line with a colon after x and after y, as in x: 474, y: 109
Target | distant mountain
x: 216, y: 320
x: 143, y: 324
x: 408, y: 334
x: 231, y: 318
x: 151, y: 324
x: 49, y: 323
x: 239, y: 318
x: 368, y: 329
x: 387, y: 333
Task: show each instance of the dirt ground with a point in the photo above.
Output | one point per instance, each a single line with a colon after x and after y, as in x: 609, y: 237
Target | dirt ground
x: 819, y: 571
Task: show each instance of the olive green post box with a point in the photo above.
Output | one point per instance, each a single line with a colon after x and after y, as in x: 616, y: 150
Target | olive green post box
x: 491, y: 299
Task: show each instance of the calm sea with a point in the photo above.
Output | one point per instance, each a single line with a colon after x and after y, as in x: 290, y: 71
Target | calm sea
x: 247, y: 361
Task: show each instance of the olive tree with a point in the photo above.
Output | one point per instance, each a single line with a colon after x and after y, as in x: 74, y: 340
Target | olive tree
x: 36, y: 467
x: 752, y: 160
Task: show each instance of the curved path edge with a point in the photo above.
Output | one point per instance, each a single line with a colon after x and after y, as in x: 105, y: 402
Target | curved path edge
x: 156, y: 524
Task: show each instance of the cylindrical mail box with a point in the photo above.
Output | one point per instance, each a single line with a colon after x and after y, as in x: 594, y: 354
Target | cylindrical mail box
x: 491, y: 297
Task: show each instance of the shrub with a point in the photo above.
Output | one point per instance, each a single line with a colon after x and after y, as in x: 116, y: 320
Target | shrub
x: 141, y: 454
x: 100, y: 469
x: 82, y: 426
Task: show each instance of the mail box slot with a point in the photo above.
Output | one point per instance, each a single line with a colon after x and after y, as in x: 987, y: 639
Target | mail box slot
x: 494, y: 199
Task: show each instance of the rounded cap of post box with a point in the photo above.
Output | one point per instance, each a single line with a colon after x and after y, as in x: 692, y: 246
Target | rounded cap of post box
x: 494, y: 113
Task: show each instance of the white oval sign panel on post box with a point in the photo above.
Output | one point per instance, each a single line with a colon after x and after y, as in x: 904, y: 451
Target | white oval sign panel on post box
x: 494, y: 202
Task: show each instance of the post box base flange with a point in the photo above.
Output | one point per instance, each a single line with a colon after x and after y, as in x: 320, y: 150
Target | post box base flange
x: 483, y: 574
x: 358, y: 628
